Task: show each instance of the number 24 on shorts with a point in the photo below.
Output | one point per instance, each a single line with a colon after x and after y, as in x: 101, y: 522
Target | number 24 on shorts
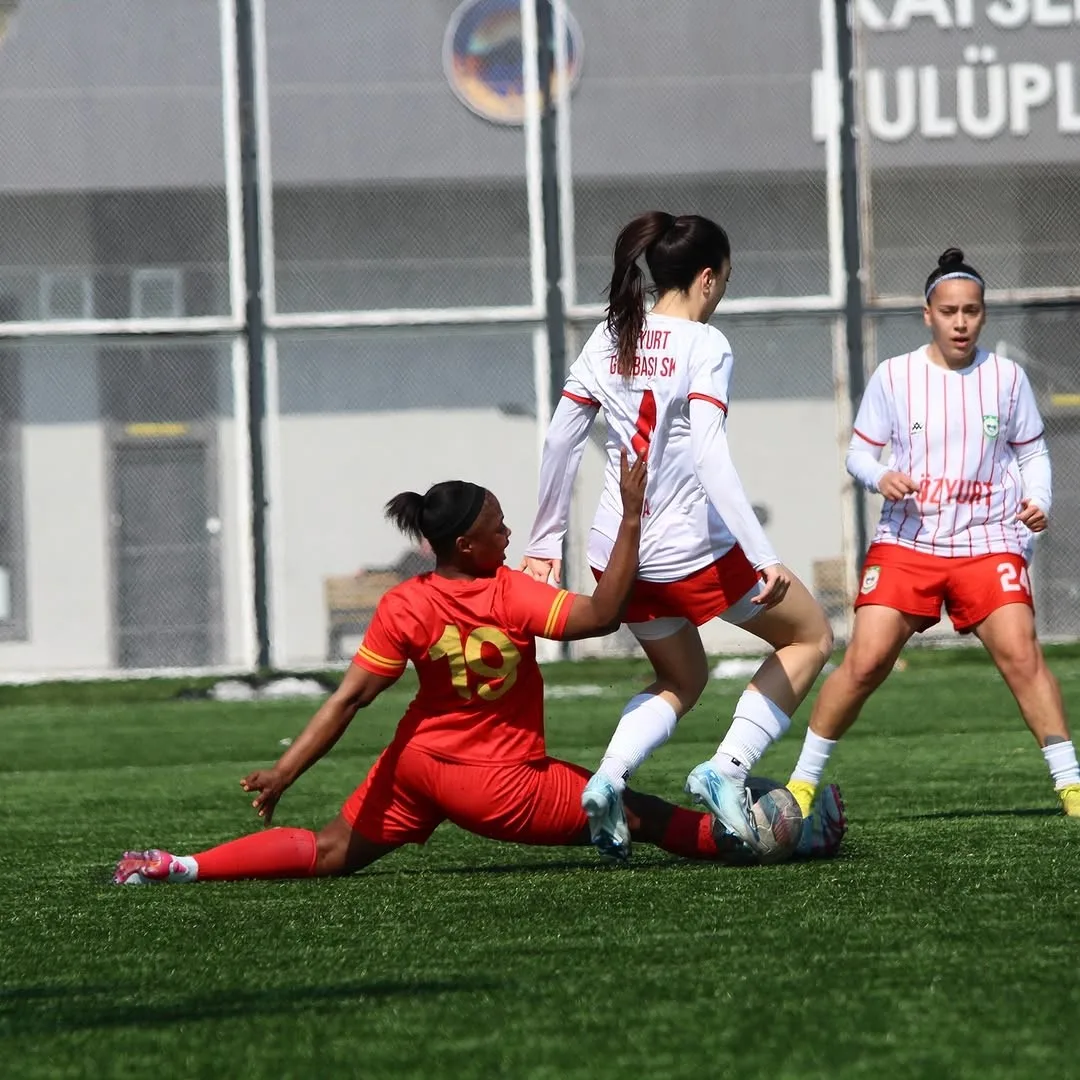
x: 466, y: 654
x: 1013, y: 580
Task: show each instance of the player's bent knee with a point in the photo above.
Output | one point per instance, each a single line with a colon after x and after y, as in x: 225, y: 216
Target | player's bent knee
x: 817, y: 632
x: 867, y: 671
x: 1020, y: 663
x: 825, y: 640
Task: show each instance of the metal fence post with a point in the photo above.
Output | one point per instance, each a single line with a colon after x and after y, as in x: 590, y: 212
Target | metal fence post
x: 254, y: 325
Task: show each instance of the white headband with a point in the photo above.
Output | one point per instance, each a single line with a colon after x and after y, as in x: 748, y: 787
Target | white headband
x: 955, y: 274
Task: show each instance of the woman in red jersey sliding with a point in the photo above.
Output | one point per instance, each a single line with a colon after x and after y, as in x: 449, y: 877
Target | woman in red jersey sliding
x: 662, y: 378
x: 966, y: 484
x: 470, y: 747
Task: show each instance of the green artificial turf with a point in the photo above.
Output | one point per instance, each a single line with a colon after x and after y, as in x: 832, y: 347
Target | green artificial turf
x: 942, y: 943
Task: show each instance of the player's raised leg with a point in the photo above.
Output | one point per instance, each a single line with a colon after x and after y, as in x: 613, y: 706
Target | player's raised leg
x: 648, y: 721
x: 878, y: 636
x: 274, y: 853
x: 800, y: 634
x: 1010, y: 638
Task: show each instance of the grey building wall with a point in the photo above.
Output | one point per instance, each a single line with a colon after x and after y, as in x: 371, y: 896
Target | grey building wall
x: 388, y: 192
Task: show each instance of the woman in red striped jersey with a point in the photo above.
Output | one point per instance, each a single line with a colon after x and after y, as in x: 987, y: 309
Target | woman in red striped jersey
x: 966, y: 485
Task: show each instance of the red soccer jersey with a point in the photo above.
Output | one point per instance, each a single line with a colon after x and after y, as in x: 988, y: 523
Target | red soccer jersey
x: 473, y: 644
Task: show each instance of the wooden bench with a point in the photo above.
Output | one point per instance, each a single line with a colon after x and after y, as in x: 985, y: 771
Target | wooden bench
x: 830, y: 585
x: 350, y: 603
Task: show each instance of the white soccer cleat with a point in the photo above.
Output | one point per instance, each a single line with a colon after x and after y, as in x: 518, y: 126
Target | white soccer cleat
x: 608, y: 831
x: 727, y: 799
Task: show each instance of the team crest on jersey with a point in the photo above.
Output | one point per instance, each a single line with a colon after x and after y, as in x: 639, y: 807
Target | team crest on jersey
x: 870, y: 579
x: 990, y: 426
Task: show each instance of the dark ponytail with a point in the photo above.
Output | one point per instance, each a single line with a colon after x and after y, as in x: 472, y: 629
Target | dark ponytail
x: 951, y: 264
x: 676, y: 250
x: 445, y: 512
x: 404, y: 511
x: 626, y: 294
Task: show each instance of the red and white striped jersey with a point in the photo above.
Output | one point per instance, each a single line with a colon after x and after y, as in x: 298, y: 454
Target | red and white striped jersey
x: 956, y: 434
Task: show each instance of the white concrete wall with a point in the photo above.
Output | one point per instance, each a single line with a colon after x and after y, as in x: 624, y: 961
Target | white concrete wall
x: 67, y: 535
x: 67, y: 554
x: 337, y: 472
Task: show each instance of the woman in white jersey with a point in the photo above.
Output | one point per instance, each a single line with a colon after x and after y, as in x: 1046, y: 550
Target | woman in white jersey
x: 966, y: 484
x: 663, y: 380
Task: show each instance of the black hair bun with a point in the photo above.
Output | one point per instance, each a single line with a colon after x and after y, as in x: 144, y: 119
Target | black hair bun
x: 950, y: 257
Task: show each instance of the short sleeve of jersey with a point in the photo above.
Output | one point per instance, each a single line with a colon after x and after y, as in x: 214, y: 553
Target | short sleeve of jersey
x: 873, y: 422
x: 710, y: 374
x: 538, y: 608
x: 383, y: 650
x: 580, y: 385
x: 1025, y: 424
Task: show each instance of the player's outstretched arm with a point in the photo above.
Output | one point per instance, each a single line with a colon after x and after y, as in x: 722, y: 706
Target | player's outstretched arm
x: 601, y: 613
x: 358, y: 689
x: 563, y: 447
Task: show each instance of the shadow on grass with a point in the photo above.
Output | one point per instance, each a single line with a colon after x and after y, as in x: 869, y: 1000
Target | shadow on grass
x: 652, y: 862
x: 649, y: 863
x: 43, y: 1010
x: 949, y: 815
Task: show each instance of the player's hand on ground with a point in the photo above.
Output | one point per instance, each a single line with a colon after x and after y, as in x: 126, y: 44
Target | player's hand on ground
x: 270, y: 786
x: 632, y: 479
x: 896, y: 485
x: 1033, y: 516
x: 777, y: 581
x: 542, y: 569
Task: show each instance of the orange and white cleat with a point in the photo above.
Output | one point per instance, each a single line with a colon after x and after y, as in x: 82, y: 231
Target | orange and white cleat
x: 147, y: 867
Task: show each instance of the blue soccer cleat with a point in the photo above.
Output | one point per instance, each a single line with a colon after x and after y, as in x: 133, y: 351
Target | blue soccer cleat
x: 727, y: 799
x: 608, y: 831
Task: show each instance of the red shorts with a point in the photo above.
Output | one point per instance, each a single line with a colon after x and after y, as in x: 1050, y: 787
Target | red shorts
x: 409, y: 792
x: 970, y: 587
x: 699, y: 597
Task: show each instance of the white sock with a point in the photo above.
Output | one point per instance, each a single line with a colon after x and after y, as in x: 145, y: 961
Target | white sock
x: 183, y: 868
x: 1061, y: 761
x: 813, y: 759
x: 755, y: 726
x: 647, y: 722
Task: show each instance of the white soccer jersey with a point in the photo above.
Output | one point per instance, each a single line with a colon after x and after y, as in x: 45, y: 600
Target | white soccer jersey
x: 956, y: 434
x: 679, y: 365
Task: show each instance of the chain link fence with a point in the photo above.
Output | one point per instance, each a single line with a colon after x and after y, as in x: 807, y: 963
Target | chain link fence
x: 408, y: 219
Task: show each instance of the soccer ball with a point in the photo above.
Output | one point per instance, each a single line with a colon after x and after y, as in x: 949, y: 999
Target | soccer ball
x: 779, y: 821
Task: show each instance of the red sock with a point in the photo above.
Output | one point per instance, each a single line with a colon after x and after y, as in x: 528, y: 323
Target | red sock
x: 276, y: 853
x: 690, y: 834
